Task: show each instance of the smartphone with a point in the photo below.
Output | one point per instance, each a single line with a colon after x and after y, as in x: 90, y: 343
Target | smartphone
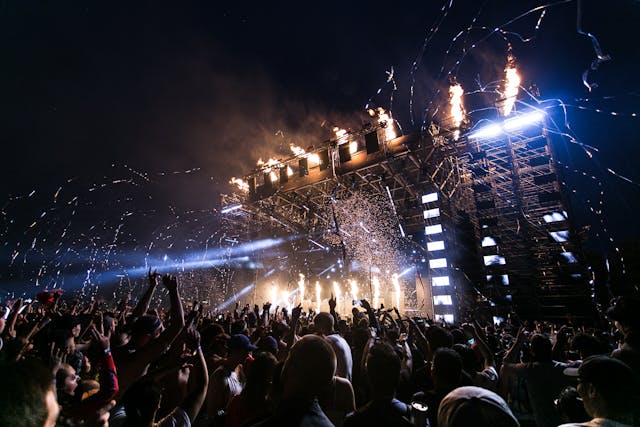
x: 472, y: 341
x: 356, y: 303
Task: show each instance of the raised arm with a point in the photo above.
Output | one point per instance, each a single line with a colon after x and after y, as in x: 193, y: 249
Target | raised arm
x: 481, y: 344
x: 143, y: 304
x: 194, y: 400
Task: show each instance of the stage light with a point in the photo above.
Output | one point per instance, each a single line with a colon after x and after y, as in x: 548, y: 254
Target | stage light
x: 231, y: 208
x: 488, y: 241
x: 431, y: 197
x: 438, y: 263
x: 440, y: 281
x: 488, y: 131
x: 523, y: 120
x: 435, y: 246
x: 433, y: 229
x: 431, y: 213
x: 509, y: 125
x: 560, y: 236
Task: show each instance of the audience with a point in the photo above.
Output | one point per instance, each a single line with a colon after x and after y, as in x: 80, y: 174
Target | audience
x: 69, y: 362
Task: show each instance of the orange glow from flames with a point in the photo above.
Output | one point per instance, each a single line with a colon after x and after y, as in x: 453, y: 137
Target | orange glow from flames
x: 240, y: 183
x: 512, y: 84
x: 457, y: 111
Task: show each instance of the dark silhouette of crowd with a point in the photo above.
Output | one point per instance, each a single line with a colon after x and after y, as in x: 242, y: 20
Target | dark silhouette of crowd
x: 68, y: 362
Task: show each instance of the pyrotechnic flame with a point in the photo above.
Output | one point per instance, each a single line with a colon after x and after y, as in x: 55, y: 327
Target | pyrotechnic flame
x: 396, y: 288
x: 353, y: 147
x: 385, y: 119
x: 298, y: 151
x: 457, y: 111
x: 339, y: 132
x: 354, y: 289
x: 376, y: 292
x: 285, y: 299
x: 512, y: 84
x: 301, y: 288
x: 273, y: 294
x: 240, y: 183
x: 338, y: 294
x: 318, y: 300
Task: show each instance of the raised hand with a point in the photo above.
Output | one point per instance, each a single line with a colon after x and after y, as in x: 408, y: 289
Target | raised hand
x: 170, y: 282
x: 99, y: 339
x: 153, y: 277
x: 296, y: 311
x: 192, y: 339
x: 332, y: 303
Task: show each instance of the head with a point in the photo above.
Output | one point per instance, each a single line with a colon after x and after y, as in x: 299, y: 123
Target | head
x: 470, y: 362
x: 67, y: 380
x: 439, y: 337
x: 541, y: 348
x: 309, y: 368
x: 268, y: 344
x: 383, y: 370
x: 141, y: 402
x: 145, y: 329
x: 570, y: 406
x: 608, y: 387
x: 27, y: 398
x: 323, y: 323
x: 624, y: 312
x: 466, y: 406
x: 260, y: 375
x: 239, y: 348
x: 446, y: 369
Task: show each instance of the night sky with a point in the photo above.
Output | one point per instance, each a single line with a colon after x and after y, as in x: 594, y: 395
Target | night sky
x: 180, y: 96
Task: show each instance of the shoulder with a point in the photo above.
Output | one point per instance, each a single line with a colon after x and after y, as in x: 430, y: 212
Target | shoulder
x: 177, y: 418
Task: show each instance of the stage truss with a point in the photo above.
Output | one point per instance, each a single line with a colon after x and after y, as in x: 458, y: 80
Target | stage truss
x: 500, y: 218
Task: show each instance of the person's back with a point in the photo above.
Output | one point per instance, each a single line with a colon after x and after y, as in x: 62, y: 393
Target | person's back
x: 383, y: 374
x: 308, y: 370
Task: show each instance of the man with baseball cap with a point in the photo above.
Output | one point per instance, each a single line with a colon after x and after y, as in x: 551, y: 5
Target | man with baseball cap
x: 609, y: 391
x: 625, y: 312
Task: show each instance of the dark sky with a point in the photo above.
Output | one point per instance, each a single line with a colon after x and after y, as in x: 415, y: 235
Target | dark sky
x: 87, y: 87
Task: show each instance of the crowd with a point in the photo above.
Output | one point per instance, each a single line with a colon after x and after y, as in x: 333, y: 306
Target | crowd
x: 78, y: 363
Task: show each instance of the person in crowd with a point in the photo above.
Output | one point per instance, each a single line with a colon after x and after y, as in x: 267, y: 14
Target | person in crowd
x: 148, y: 340
x: 73, y: 408
x: 625, y: 314
x: 324, y: 327
x: 308, y: 370
x: 229, y: 379
x: 475, y: 406
x: 141, y: 402
x: 254, y: 402
x: 27, y: 396
x: 383, y: 375
x: 446, y: 373
x: 535, y: 384
x: 609, y: 390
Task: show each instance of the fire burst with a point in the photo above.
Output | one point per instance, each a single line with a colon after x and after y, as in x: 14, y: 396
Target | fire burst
x: 301, y: 288
x: 298, y: 151
x: 318, y: 299
x: 512, y: 84
x: 240, y: 183
x: 457, y: 111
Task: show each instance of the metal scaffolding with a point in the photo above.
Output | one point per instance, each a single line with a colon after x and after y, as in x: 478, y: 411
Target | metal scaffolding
x: 506, y: 237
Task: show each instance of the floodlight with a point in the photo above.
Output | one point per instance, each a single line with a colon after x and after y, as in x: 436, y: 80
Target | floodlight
x: 489, y: 131
x: 522, y: 120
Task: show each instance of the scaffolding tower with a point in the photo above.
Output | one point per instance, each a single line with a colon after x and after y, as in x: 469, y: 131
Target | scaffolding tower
x: 488, y: 215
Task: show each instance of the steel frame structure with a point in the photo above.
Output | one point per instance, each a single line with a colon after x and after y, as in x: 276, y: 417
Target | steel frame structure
x: 522, y: 254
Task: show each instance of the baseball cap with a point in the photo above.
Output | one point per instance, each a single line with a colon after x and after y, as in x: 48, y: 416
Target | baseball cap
x: 607, y: 374
x: 475, y: 406
x: 625, y: 309
x: 268, y: 343
x: 241, y: 342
